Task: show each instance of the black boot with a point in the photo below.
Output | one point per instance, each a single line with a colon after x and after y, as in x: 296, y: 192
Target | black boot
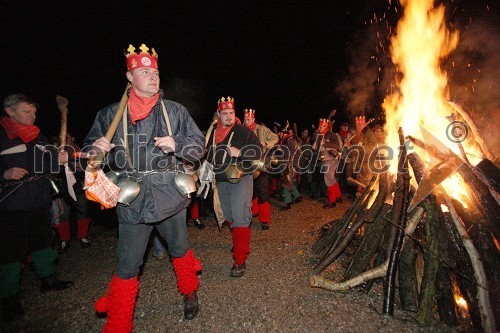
x: 191, y: 306
x: 53, y: 283
x: 286, y: 207
x: 11, y: 308
x: 237, y: 270
x: 329, y: 205
x: 198, y: 224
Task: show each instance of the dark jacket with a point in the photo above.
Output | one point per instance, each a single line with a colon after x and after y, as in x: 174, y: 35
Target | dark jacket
x: 243, y: 139
x: 35, y: 194
x: 158, y: 198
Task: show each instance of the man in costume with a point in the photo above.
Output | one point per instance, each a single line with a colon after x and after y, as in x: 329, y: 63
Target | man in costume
x: 231, y: 148
x: 328, y: 145
x: 267, y: 138
x: 80, y: 206
x: 291, y: 154
x: 345, y: 169
x: 26, y: 161
x: 153, y: 138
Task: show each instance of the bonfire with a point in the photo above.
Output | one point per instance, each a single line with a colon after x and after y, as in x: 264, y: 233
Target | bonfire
x: 430, y: 220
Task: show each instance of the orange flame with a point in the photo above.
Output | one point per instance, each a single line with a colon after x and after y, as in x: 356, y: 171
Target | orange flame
x: 417, y: 49
x: 421, y: 42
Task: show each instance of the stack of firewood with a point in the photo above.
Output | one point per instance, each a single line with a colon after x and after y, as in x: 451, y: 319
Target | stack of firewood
x: 428, y: 253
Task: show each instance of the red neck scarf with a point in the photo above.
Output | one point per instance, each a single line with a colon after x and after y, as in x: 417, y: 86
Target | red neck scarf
x: 27, y: 133
x: 343, y: 134
x: 222, y: 132
x: 140, y: 107
x: 252, y: 127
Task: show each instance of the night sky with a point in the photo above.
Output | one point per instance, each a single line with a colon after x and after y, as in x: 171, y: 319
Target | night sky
x: 283, y: 58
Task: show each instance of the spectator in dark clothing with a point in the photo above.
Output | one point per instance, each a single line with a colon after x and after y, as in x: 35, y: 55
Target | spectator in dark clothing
x: 26, y: 162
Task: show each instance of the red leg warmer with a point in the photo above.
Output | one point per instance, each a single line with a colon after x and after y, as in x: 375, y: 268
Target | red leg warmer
x: 63, y: 230
x: 334, y: 192
x: 83, y: 228
x: 193, y: 211
x: 255, y: 207
x: 119, y: 303
x: 185, y: 270
x: 274, y: 185
x: 241, y: 244
x: 265, y: 212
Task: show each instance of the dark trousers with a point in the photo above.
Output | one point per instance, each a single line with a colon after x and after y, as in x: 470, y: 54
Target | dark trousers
x: 23, y: 232
x: 133, y: 240
x: 261, y: 188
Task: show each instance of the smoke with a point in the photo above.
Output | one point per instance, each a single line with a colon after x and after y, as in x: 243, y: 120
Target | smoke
x: 371, y: 73
x: 473, y: 74
x: 358, y: 89
x: 472, y: 68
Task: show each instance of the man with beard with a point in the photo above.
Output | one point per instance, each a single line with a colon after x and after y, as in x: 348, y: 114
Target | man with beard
x: 231, y: 149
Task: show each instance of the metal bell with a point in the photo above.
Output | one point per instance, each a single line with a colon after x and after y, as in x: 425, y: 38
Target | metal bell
x: 259, y: 165
x: 233, y: 173
x: 113, y: 176
x: 185, y: 184
x: 129, y: 190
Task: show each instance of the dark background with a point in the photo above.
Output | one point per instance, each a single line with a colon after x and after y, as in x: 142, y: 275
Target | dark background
x: 287, y: 59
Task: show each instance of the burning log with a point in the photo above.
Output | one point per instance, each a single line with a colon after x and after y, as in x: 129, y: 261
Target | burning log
x: 445, y: 300
x: 477, y: 224
x: 401, y: 209
x: 446, y: 245
x: 487, y: 317
x: 446, y: 263
x: 444, y: 297
x: 461, y: 266
x: 470, y: 123
x: 486, y: 248
x: 484, y: 197
x: 489, y: 174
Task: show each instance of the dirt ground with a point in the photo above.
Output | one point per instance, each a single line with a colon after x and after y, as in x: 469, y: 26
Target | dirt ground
x: 272, y: 296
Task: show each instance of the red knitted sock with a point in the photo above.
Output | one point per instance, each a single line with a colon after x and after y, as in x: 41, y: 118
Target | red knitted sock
x: 185, y: 270
x: 119, y: 303
x: 83, y: 228
x: 265, y: 212
x: 241, y: 244
x: 63, y: 230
